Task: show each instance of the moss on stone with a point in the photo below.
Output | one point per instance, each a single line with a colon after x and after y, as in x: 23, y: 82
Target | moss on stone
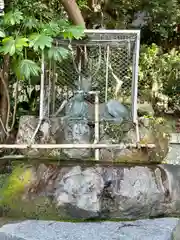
x: 38, y: 208
x: 15, y: 184
x: 14, y: 204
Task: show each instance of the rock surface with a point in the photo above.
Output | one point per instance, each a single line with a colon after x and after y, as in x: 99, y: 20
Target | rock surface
x: 56, y: 130
x: 157, y: 229
x: 145, y: 108
x: 117, y: 192
x: 77, y: 132
x: 50, y: 131
x: 98, y: 191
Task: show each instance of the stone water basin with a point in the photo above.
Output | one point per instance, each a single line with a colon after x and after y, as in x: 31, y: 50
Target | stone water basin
x: 85, y: 191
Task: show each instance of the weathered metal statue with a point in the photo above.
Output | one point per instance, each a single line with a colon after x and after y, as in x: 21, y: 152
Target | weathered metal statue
x: 77, y: 107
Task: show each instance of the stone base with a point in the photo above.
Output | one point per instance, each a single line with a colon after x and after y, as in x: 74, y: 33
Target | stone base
x: 92, y: 192
x: 55, y: 130
x: 159, y: 229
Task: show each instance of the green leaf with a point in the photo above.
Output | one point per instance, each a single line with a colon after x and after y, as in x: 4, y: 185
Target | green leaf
x: 21, y: 42
x: 51, y: 29
x: 63, y: 24
x: 2, y: 33
x: 11, y: 46
x: 27, y: 68
x: 30, y: 22
x: 8, y: 46
x: 58, y: 53
x: 40, y: 41
x: 76, y: 32
x: 13, y: 17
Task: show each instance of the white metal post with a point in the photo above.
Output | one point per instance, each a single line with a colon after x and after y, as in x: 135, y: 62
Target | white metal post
x: 135, y: 84
x: 96, y: 140
x: 41, y: 105
x: 79, y: 69
x: 111, y: 31
x: 107, y: 73
x: 74, y: 146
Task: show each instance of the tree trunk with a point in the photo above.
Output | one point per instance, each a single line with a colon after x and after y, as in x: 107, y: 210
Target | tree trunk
x: 76, y: 17
x: 4, y: 102
x: 73, y: 12
x: 3, y: 95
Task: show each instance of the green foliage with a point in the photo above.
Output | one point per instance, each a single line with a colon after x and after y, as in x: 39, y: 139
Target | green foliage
x: 12, y: 45
x: 165, y: 16
x: 58, y: 53
x: 8, y: 46
x: 27, y: 29
x: 26, y: 68
x: 29, y: 36
x: 162, y: 16
x: 13, y: 17
x: 82, y: 3
x: 76, y: 32
x: 159, y: 71
x: 159, y: 23
x: 30, y: 23
x: 149, y: 66
x: 50, y: 29
x: 41, y: 9
x: 2, y: 34
x: 40, y: 41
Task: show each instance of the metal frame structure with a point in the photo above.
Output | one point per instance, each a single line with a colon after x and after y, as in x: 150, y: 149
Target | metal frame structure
x: 95, y: 145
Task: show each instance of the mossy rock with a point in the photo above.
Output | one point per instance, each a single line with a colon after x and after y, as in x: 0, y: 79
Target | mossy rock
x: 157, y: 132
x: 136, y: 156
x: 160, y: 136
x: 39, y: 208
x: 16, y: 183
x: 14, y: 204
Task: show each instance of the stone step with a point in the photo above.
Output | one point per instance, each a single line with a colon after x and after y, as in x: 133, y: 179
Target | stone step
x: 159, y: 229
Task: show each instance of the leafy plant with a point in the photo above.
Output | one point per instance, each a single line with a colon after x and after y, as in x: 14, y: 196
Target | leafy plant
x: 58, y: 53
x: 30, y: 35
x: 159, y: 72
x: 23, y: 37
